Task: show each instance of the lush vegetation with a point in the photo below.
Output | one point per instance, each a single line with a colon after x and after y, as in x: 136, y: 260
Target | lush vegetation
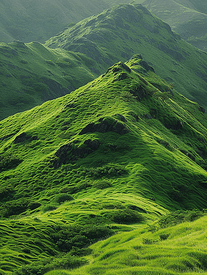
x: 110, y: 157
x: 110, y: 178
x: 153, y: 250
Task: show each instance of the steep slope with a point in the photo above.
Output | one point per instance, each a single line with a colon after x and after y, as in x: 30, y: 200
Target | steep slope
x: 111, y: 156
x: 30, y: 74
x: 188, y: 18
x: 120, y: 32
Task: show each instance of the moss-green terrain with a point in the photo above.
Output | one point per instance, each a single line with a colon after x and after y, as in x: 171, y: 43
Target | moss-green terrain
x: 119, y: 32
x: 111, y: 158
x: 186, y: 17
x: 161, y: 249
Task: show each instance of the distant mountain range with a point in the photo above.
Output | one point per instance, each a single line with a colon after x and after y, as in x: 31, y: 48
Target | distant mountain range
x: 186, y: 17
x: 29, y: 21
x: 40, y: 20
x: 32, y: 73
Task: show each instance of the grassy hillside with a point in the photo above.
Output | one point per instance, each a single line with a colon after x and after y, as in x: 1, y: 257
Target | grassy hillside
x: 120, y: 32
x: 188, y: 18
x: 110, y: 157
x: 30, y: 74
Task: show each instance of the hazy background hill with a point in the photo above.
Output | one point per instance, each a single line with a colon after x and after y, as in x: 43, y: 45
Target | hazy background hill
x: 186, y: 17
x: 29, y: 21
x: 39, y: 20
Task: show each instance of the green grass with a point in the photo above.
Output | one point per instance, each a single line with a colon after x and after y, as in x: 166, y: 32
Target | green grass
x: 110, y: 157
x: 31, y: 73
x: 178, y: 249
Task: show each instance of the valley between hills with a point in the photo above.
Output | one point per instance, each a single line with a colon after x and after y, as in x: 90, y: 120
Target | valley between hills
x: 103, y: 156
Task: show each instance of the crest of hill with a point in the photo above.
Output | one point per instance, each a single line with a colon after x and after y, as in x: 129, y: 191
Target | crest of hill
x: 111, y: 156
x: 188, y: 18
x: 118, y: 33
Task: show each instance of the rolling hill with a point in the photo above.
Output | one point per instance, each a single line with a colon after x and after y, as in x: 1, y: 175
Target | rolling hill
x: 111, y: 157
x: 188, y: 18
x: 119, y: 32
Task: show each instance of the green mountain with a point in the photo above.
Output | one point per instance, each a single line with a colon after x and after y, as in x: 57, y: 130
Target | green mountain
x: 31, y: 74
x: 186, y: 17
x: 118, y: 33
x: 113, y: 156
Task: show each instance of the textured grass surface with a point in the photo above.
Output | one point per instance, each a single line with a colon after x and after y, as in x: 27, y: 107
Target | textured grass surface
x: 110, y: 157
x: 179, y: 249
x: 122, y: 31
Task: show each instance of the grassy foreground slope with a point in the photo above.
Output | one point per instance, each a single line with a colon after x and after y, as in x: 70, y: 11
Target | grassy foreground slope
x: 159, y: 250
x: 118, y: 33
x: 110, y: 157
x: 188, y: 18
x: 30, y: 74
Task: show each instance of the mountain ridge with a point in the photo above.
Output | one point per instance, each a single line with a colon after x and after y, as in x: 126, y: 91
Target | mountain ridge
x: 111, y: 156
